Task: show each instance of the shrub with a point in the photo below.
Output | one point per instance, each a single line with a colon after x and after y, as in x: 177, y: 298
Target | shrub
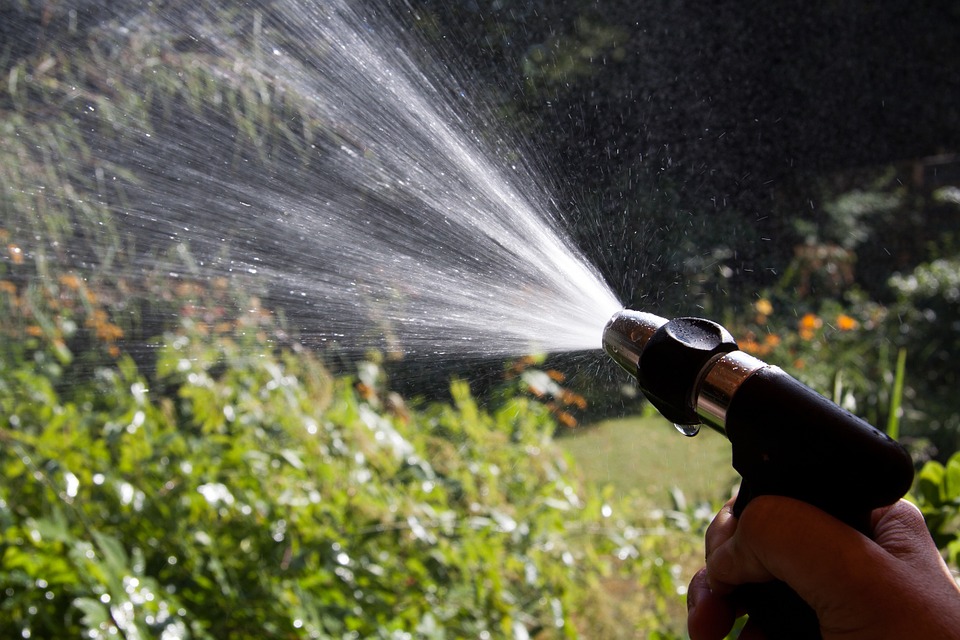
x: 241, y: 491
x: 841, y: 348
x: 938, y: 496
x: 927, y: 312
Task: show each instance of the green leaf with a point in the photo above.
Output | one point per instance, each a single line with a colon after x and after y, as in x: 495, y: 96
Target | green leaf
x: 96, y: 616
x: 929, y: 483
x: 114, y: 555
x: 951, y: 480
x: 54, y: 528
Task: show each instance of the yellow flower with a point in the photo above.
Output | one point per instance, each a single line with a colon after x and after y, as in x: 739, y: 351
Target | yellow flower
x: 846, y: 323
x: 763, y: 307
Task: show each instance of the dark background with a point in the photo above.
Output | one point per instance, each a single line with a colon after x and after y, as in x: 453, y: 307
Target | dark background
x: 701, y: 125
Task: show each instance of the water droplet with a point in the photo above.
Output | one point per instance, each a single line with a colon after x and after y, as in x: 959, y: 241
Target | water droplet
x: 688, y: 430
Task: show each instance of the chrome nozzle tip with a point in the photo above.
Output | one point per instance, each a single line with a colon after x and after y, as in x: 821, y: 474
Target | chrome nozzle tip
x: 626, y: 334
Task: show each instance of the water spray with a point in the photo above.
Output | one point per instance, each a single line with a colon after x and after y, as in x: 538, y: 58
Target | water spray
x: 786, y: 439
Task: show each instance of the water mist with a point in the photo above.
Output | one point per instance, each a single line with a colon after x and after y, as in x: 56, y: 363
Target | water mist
x: 404, y: 221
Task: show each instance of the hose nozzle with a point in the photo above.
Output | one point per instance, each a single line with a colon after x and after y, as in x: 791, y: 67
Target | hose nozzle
x: 693, y: 372
x: 786, y: 439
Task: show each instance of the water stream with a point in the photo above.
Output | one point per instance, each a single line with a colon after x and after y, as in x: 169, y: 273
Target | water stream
x: 409, y: 222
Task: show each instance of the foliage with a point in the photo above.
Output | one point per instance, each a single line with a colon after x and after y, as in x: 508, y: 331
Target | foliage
x: 927, y: 309
x: 566, y: 57
x: 241, y: 491
x: 78, y: 130
x: 938, y: 496
x: 852, y: 347
x: 841, y: 348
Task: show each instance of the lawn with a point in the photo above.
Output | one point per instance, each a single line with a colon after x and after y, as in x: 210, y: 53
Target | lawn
x: 644, y: 459
x: 648, y: 456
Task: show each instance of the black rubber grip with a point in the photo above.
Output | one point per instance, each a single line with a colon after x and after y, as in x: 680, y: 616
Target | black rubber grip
x: 789, y: 440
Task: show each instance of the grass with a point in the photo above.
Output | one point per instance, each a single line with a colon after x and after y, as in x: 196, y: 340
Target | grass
x: 649, y: 457
x: 645, y: 460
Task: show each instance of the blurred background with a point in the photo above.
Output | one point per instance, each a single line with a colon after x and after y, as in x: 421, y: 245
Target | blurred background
x: 178, y: 462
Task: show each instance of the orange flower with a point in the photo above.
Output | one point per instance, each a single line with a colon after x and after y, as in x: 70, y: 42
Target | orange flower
x: 750, y: 345
x: 365, y: 391
x: 105, y: 330
x: 809, y: 324
x: 570, y: 398
x: 846, y: 323
x: 70, y: 281
x: 810, y: 321
x: 566, y: 419
x: 556, y: 376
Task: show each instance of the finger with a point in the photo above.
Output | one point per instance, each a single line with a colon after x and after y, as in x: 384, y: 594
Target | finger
x: 710, y: 616
x: 785, y: 539
x: 721, y: 528
x: 901, y: 530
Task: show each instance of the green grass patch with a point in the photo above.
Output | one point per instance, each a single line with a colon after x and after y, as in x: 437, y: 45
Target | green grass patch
x: 649, y: 457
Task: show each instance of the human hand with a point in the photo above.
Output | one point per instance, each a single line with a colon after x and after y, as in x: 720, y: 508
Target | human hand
x: 894, y: 585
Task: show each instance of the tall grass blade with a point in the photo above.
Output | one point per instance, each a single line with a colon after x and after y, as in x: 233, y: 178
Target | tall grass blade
x: 893, y: 419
